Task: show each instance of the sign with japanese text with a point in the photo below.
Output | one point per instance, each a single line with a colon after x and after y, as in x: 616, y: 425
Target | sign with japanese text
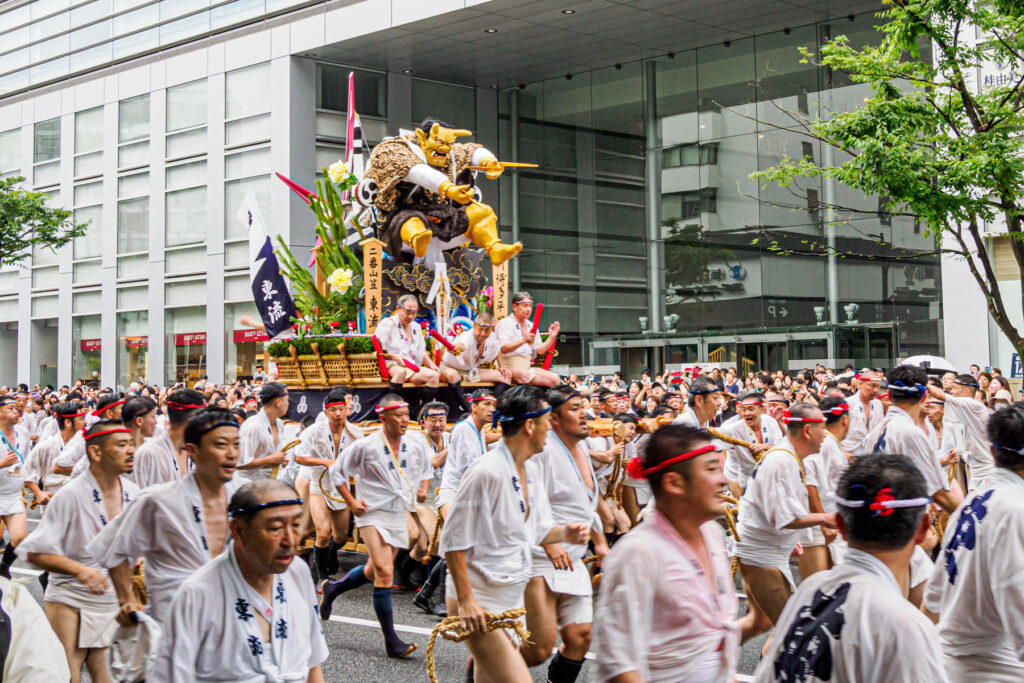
x: 373, y: 270
x: 499, y: 275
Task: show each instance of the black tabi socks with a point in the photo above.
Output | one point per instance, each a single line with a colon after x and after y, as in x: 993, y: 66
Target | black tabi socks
x: 7, y: 561
x: 322, y: 561
x: 460, y: 396
x: 563, y: 670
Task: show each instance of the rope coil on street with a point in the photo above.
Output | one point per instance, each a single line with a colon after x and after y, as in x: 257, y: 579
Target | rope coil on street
x: 450, y: 629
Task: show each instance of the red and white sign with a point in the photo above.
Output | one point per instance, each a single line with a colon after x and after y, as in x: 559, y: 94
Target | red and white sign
x: 190, y: 339
x: 250, y: 335
x: 136, y: 342
x: 91, y: 344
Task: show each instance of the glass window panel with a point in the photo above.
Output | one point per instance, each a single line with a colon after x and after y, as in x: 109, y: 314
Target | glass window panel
x: 184, y: 28
x: 132, y: 344
x: 186, y: 144
x: 44, y: 256
x: 134, y: 185
x: 47, y: 174
x: 246, y: 92
x: 131, y: 267
x: 186, y: 217
x: 52, y: 25
x: 18, y: 59
x: 89, y: 245
x: 136, y: 43
x: 132, y: 297
x: 236, y: 255
x: 186, y: 105
x: 91, y: 58
x: 49, y: 48
x: 332, y: 90
x: 248, y: 163
x: 92, y: 34
x: 87, y: 272
x: 14, y: 81
x: 235, y: 12
x: 186, y: 175
x: 48, y: 70
x: 133, y: 118
x: 330, y: 125
x: 42, y: 8
x: 185, y: 344
x: 327, y: 155
x: 181, y: 261
x: 89, y: 164
x: 87, y: 302
x: 85, y: 358
x: 453, y: 104
x: 83, y: 14
x: 88, y: 193
x: 43, y: 306
x: 16, y: 17
x: 169, y: 9
x: 140, y: 18
x: 89, y: 130
x: 9, y: 281
x: 122, y: 5
x: 133, y: 225
x: 242, y: 131
x: 10, y: 150
x: 136, y: 154
x: 234, y: 193
x: 47, y: 140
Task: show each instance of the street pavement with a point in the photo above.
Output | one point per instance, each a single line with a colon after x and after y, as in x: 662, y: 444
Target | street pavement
x: 357, y: 648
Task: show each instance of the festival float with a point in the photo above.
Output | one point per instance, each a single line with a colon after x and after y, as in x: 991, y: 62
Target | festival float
x: 412, y: 222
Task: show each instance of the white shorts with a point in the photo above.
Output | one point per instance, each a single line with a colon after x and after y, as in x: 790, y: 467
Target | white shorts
x: 334, y: 502
x: 492, y: 597
x: 97, y: 614
x: 389, y: 524
x: 11, y: 504
x: 445, y: 497
x: 981, y: 669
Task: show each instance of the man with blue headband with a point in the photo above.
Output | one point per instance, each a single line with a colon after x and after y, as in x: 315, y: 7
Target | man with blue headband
x: 702, y: 403
x: 250, y: 614
x: 967, y: 419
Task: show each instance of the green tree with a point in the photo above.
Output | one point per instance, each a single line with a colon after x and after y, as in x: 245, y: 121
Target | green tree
x: 942, y: 149
x: 27, y: 222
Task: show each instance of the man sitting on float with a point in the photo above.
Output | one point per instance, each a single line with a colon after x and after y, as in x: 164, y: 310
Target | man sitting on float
x: 406, y: 352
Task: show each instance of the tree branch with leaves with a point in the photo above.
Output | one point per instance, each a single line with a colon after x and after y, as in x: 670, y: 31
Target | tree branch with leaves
x: 27, y: 221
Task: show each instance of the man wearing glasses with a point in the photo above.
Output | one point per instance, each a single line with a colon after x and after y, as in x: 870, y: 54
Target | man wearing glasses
x: 404, y: 347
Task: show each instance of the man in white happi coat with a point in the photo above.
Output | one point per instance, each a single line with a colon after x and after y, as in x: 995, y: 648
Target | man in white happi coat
x: 29, y: 642
x: 773, y: 513
x: 69, y: 418
x: 15, y: 443
x: 248, y: 616
x: 473, y: 348
x: 852, y: 623
x: 432, y: 440
x: 467, y: 442
x: 968, y: 418
x: 702, y: 403
x: 499, y: 513
x: 559, y: 595
x: 866, y: 411
x: 388, y: 469
x: 261, y: 436
x: 975, y: 588
x: 163, y: 457
x: 520, y: 345
x: 80, y: 602
x: 108, y: 407
x: 754, y: 427
x: 821, y: 546
x: 318, y: 449
x: 667, y: 608
x: 27, y: 415
x: 175, y: 527
x: 406, y: 351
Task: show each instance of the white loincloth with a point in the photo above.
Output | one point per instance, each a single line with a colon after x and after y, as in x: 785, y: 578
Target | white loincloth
x: 390, y: 524
x: 97, y: 614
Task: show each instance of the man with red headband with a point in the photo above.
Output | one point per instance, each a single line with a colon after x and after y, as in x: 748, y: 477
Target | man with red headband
x: 69, y: 418
x: 865, y: 411
x: 15, y: 443
x: 108, y: 407
x: 667, y: 607
x: 821, y: 546
x: 853, y: 624
x: 163, y: 458
x: 774, y: 511
x: 176, y: 528
x: 756, y: 428
x: 389, y: 469
x: 80, y: 602
x: 520, y: 344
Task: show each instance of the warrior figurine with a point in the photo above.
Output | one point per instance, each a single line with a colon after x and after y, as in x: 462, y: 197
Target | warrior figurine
x: 422, y: 186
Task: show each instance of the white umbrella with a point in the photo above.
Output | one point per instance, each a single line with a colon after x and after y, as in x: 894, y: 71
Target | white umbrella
x: 930, y: 363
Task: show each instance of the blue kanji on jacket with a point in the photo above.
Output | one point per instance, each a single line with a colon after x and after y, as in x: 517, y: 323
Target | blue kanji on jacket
x: 966, y: 531
x: 807, y: 648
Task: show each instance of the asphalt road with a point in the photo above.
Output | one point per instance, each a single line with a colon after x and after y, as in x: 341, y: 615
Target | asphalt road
x: 357, y: 648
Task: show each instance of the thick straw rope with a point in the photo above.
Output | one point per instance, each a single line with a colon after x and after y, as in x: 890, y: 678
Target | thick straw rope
x: 436, y: 536
x: 735, y: 442
x: 450, y: 629
x: 287, y: 447
x: 320, y: 483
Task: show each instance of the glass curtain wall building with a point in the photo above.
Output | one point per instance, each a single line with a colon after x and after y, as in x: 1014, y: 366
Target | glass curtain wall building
x: 644, y: 234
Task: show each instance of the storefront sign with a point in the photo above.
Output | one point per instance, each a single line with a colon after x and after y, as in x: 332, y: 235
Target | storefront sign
x: 250, y: 335
x: 136, y: 342
x: 91, y: 344
x: 190, y: 339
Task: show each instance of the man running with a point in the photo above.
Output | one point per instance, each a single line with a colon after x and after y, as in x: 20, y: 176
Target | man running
x: 261, y: 435
x: 163, y: 458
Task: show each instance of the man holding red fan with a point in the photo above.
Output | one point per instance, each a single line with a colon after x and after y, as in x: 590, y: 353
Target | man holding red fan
x: 520, y: 343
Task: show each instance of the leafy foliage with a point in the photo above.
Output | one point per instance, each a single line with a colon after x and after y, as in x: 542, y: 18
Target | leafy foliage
x: 326, y: 345
x: 947, y: 153
x: 27, y: 222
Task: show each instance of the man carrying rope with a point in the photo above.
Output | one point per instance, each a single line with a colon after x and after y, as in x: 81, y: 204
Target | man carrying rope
x: 667, y: 608
x: 466, y: 445
x: 389, y: 473
x: 773, y: 513
x: 176, y: 528
x: 753, y: 426
x: 976, y: 588
x: 164, y: 458
x: 559, y: 594
x: 250, y: 614
x: 852, y: 623
x: 318, y: 449
x: 500, y: 511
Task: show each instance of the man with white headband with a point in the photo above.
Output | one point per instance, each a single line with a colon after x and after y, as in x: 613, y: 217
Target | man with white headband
x: 852, y: 623
x: 499, y: 513
x: 249, y: 614
x: 703, y: 400
x: 866, y: 411
x: 969, y: 417
x: 178, y: 527
x: 389, y: 469
x: 753, y: 426
x: 474, y: 348
x: 80, y: 603
x: 520, y: 344
x: 667, y: 607
x: 773, y: 513
x: 976, y: 588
